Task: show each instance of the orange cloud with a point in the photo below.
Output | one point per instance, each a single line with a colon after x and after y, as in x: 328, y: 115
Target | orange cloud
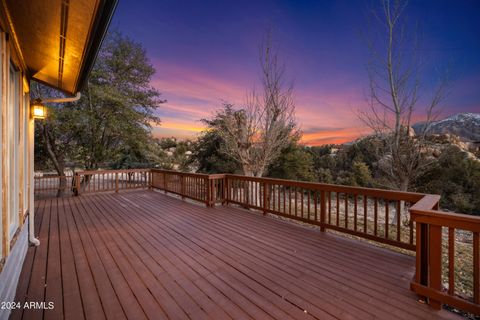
x: 333, y: 136
x: 193, y: 94
x: 178, y: 125
x: 171, y: 127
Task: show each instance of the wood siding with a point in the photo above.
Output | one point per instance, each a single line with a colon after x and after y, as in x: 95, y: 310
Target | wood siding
x: 11, y: 271
x: 16, y: 142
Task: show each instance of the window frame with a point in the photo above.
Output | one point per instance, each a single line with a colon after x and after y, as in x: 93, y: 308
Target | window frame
x: 12, y: 126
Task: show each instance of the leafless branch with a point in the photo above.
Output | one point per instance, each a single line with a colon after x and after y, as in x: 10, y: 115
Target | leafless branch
x: 265, y: 125
x: 394, y: 88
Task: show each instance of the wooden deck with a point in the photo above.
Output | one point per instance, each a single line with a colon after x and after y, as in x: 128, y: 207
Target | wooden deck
x: 142, y: 254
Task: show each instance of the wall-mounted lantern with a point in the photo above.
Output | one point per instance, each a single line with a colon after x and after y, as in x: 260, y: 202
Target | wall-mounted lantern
x: 38, y: 109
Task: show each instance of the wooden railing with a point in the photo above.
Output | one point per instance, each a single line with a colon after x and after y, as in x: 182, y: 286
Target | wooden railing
x: 430, y: 224
x: 201, y: 187
x: 379, y: 215
x: 92, y: 181
x: 51, y: 185
x: 111, y: 180
x: 406, y: 220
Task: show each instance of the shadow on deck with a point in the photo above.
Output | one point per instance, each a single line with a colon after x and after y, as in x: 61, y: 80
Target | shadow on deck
x: 142, y: 254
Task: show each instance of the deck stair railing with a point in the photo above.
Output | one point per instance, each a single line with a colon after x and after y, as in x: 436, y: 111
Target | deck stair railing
x: 406, y: 220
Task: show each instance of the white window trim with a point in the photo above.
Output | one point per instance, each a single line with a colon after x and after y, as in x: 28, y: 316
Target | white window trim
x: 13, y: 122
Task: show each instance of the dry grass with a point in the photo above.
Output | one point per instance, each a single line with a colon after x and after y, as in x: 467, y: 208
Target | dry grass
x: 463, y: 262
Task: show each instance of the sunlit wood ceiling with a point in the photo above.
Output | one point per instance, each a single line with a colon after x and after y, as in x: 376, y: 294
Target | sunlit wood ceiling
x: 57, y: 38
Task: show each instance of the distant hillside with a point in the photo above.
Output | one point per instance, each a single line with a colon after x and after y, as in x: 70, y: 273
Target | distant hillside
x: 464, y: 125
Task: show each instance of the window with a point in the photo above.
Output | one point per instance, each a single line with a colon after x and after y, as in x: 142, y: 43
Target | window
x: 26, y: 152
x: 13, y: 116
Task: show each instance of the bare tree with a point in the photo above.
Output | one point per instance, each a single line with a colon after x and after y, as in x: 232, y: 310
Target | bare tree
x: 394, y: 85
x: 258, y: 132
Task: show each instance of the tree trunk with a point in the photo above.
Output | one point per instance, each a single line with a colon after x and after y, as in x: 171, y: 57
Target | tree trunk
x: 403, y: 187
x: 62, y: 185
x: 247, y: 171
x: 73, y: 186
x: 56, y: 158
x: 85, y: 181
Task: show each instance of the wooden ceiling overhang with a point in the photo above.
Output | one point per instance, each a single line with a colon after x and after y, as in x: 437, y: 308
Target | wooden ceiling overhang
x: 58, y: 40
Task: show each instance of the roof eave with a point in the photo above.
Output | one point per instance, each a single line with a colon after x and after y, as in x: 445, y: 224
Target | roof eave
x: 99, y: 31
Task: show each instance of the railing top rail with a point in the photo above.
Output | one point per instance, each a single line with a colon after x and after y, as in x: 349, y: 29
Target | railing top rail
x: 179, y: 173
x: 373, y: 192
x: 427, y: 202
x: 424, y: 211
x: 447, y: 219
x: 51, y: 177
x: 112, y: 171
x: 216, y: 176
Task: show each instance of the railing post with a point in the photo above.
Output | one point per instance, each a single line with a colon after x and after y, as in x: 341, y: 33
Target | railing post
x: 225, y: 191
x: 207, y: 196
x: 435, y: 262
x: 182, y: 186
x: 421, y: 270
x: 165, y: 182
x: 428, y: 262
x: 77, y: 184
x: 265, y: 198
x: 150, y: 179
x: 116, y: 181
x: 476, y: 268
x: 322, y: 210
x: 213, y: 193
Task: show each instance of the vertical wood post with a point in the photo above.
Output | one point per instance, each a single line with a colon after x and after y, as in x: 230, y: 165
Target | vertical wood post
x: 213, y: 192
x: 207, y: 196
x: 422, y: 254
x: 225, y: 191
x: 435, y: 262
x: 150, y: 179
x: 182, y: 186
x: 264, y: 204
x: 165, y: 182
x: 322, y: 210
x: 77, y: 184
x: 265, y: 198
x: 116, y: 181
x: 451, y: 261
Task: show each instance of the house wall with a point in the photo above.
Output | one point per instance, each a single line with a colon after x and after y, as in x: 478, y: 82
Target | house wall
x: 16, y: 162
x: 11, y: 271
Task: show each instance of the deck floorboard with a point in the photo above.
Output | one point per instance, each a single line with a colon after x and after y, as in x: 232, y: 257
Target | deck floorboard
x: 146, y: 255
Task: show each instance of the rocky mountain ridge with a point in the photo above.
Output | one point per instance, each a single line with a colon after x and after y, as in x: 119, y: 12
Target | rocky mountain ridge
x: 464, y: 125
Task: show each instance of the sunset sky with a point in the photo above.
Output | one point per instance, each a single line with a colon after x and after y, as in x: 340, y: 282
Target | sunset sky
x: 206, y: 52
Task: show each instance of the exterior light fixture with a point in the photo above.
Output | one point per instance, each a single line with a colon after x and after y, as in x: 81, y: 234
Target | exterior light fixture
x: 38, y: 109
